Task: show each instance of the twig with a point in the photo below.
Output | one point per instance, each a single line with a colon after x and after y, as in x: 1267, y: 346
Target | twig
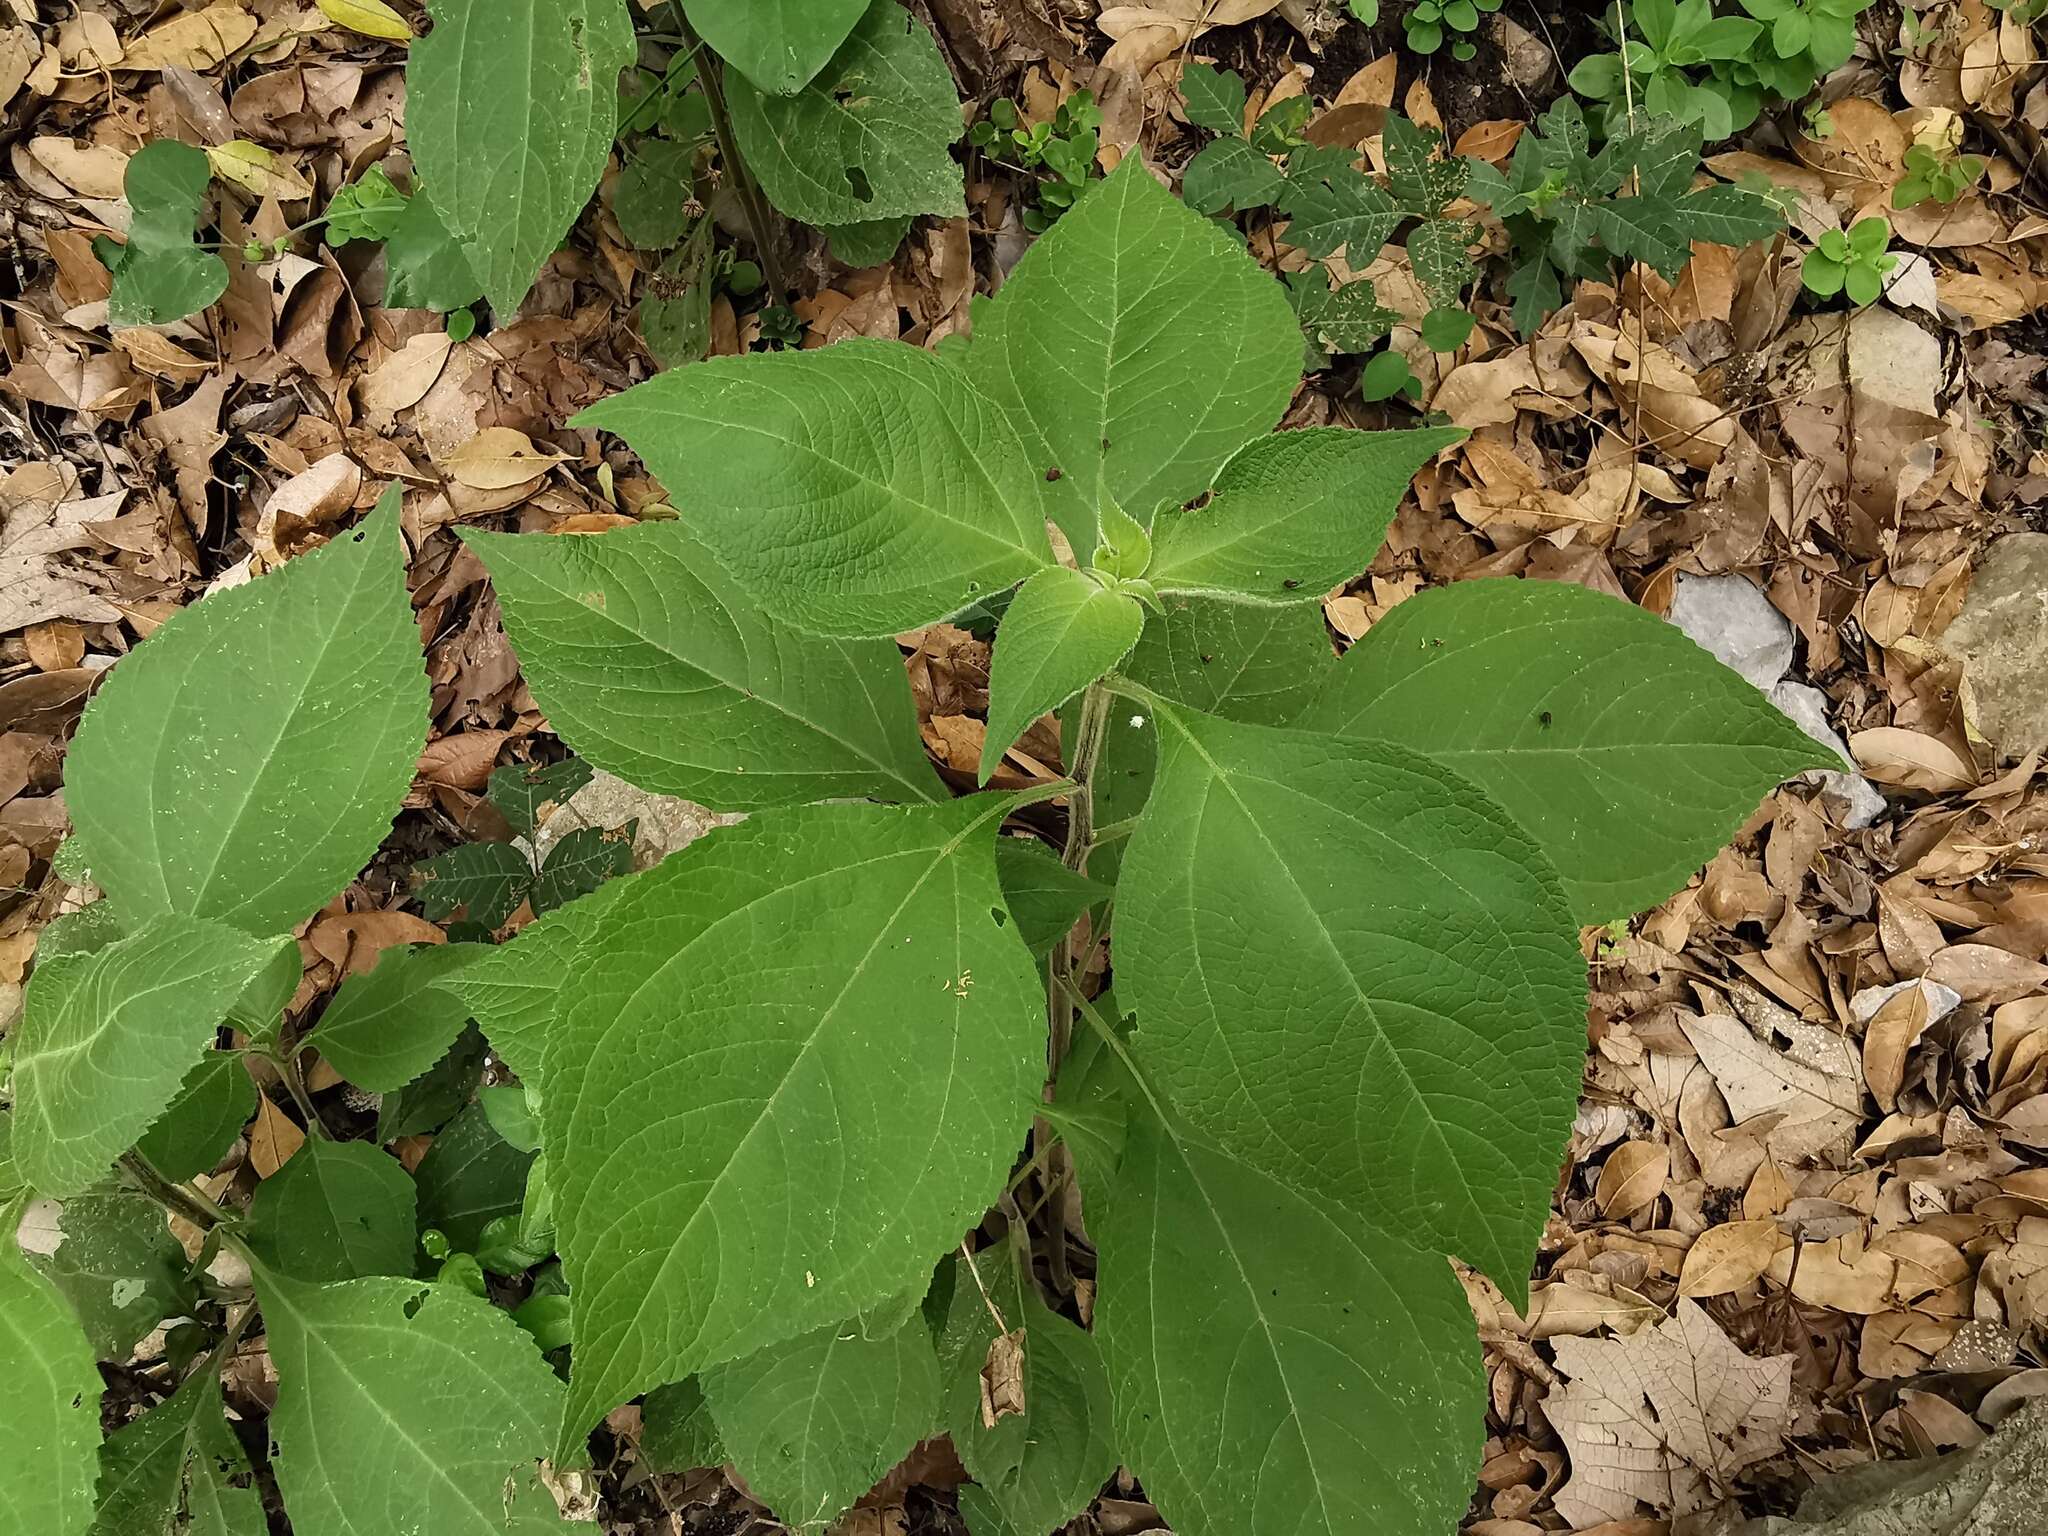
x: 755, y: 206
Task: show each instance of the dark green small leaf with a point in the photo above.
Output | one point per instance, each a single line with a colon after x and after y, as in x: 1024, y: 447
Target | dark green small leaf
x: 470, y: 1177
x: 1044, y: 896
x: 178, y: 1471
x: 339, y: 1210
x: 1437, y: 251
x: 161, y: 275
x: 676, y: 1430
x: 433, y: 1098
x: 580, y: 863
x: 653, y: 188
x: 424, y: 267
x: 1333, y: 205
x: 386, y: 1028
x: 1229, y: 173
x: 487, y: 879
x: 1446, y: 330
x: 522, y: 791
x: 1344, y: 320
x: 194, y: 1134
x: 1215, y: 98
x: 1422, y: 183
x: 1386, y: 376
x: 868, y: 244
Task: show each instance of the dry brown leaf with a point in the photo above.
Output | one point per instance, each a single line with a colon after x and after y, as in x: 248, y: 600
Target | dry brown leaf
x: 194, y: 39
x: 1632, y: 1178
x: 402, y: 380
x: 1729, y: 1257
x: 1892, y: 1032
x: 1664, y: 1417
x: 500, y: 459
x: 1891, y: 754
x: 273, y: 1138
x: 1813, y: 1106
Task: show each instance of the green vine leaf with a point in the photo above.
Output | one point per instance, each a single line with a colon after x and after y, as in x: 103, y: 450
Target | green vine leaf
x: 1291, y: 515
x: 50, y: 1412
x: 652, y: 663
x: 339, y: 1210
x: 703, y: 1213
x: 777, y: 44
x: 213, y: 1104
x: 469, y: 1178
x: 406, y: 1405
x: 160, y: 275
x: 485, y: 880
x: 1230, y: 174
x: 388, y: 1027
x: 1246, y: 1325
x: 1327, y: 944
x: 179, y: 1471
x: 1138, y: 346
x: 858, y: 491
x: 1627, y: 752
x: 870, y: 138
x: 815, y: 1422
x: 107, y: 1038
x: 511, y: 106
x: 117, y: 1264
x: 246, y: 760
x: 1043, y: 895
x: 1332, y: 205
x: 1060, y: 633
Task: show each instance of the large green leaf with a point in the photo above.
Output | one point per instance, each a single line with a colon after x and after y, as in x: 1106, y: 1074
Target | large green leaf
x: 858, y: 490
x: 1291, y: 515
x: 179, y: 1471
x: 510, y: 109
x: 118, y: 1265
x: 50, y: 1410
x: 777, y: 44
x: 245, y: 762
x: 339, y: 1210
x: 213, y: 1104
x: 469, y: 1178
x: 813, y: 1423
x: 390, y: 1026
x: 404, y: 1405
x: 1035, y: 1470
x: 1355, y: 972
x: 1060, y: 633
x: 1139, y: 347
x: 160, y: 275
x: 1624, y: 749
x: 106, y: 1039
x: 869, y: 138
x: 795, y: 1068
x: 651, y: 663
x: 1277, y: 1368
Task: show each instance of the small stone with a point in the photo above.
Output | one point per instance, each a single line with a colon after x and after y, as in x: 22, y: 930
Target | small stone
x: 1862, y: 802
x: 1729, y: 617
x: 1941, y: 1001
x: 2001, y: 639
x: 663, y: 822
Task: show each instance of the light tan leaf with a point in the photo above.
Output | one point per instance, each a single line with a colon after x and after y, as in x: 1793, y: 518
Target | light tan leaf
x: 1813, y: 1107
x: 272, y: 1139
x: 402, y: 380
x: 498, y: 459
x: 1729, y: 1257
x: 1632, y: 1178
x: 194, y: 39
x: 1893, y: 1031
x: 90, y: 170
x: 1891, y: 754
x: 1840, y: 1274
x: 1663, y: 1417
x: 1574, y: 1308
x: 255, y: 169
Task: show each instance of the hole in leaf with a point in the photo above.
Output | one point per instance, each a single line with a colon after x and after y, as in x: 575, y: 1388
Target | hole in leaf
x: 413, y: 1303
x: 857, y: 179
x: 1002, y: 918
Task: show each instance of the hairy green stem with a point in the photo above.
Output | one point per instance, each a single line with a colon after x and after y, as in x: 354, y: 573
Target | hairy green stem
x: 175, y: 1198
x: 286, y: 1065
x: 752, y: 203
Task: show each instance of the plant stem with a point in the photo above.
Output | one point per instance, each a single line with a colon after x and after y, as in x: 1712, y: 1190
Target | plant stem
x: 710, y: 73
x: 286, y: 1065
x: 1089, y: 734
x: 175, y: 1198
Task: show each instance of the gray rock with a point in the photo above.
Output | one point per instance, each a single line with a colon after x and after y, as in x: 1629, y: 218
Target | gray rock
x: 664, y: 822
x: 2001, y: 639
x: 1807, y: 708
x: 1728, y: 616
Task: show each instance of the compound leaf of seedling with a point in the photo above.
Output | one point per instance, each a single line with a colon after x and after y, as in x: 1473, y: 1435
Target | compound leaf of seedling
x: 702, y: 1215
x: 1438, y: 251
x: 106, y: 1039
x: 580, y: 863
x: 1302, y: 999
x: 469, y: 1178
x: 1036, y: 1469
x: 339, y: 1210
x: 522, y: 792
x: 247, y: 759
x: 1422, y: 183
x: 869, y: 138
x: 651, y: 662
x: 179, y: 1470
x: 512, y: 168
x: 1291, y: 516
x: 160, y: 275
x: 389, y: 1026
x: 1215, y: 98
x: 368, y: 208
x: 213, y: 1104
x: 1060, y: 633
x: 425, y: 267
x: 1043, y: 895
x: 814, y: 1422
x: 1229, y: 173
x: 50, y: 1412
x: 1246, y: 1324
x: 486, y: 880
x: 1625, y: 750
x: 1332, y: 205
x: 777, y: 44
x: 860, y: 490
x: 654, y: 186
x: 406, y: 1405
x: 1138, y: 346
x: 1344, y: 320
x: 110, y: 1253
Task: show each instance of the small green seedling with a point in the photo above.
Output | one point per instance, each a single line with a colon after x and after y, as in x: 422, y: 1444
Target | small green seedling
x: 1430, y: 23
x: 1854, y: 263
x: 1064, y: 148
x: 1935, y: 177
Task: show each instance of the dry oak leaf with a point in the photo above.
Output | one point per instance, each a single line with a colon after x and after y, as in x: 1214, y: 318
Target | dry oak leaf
x: 194, y: 40
x: 1663, y: 1418
x: 500, y: 459
x: 1729, y: 1257
x: 1814, y: 1105
x: 1632, y: 1178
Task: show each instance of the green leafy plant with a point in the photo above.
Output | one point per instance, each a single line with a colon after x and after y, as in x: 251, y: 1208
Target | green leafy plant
x: 764, y: 1087
x: 160, y: 274
x: 1716, y: 66
x: 1428, y: 23
x: 1064, y: 148
x: 1574, y: 214
x: 1853, y: 262
x: 1935, y: 176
